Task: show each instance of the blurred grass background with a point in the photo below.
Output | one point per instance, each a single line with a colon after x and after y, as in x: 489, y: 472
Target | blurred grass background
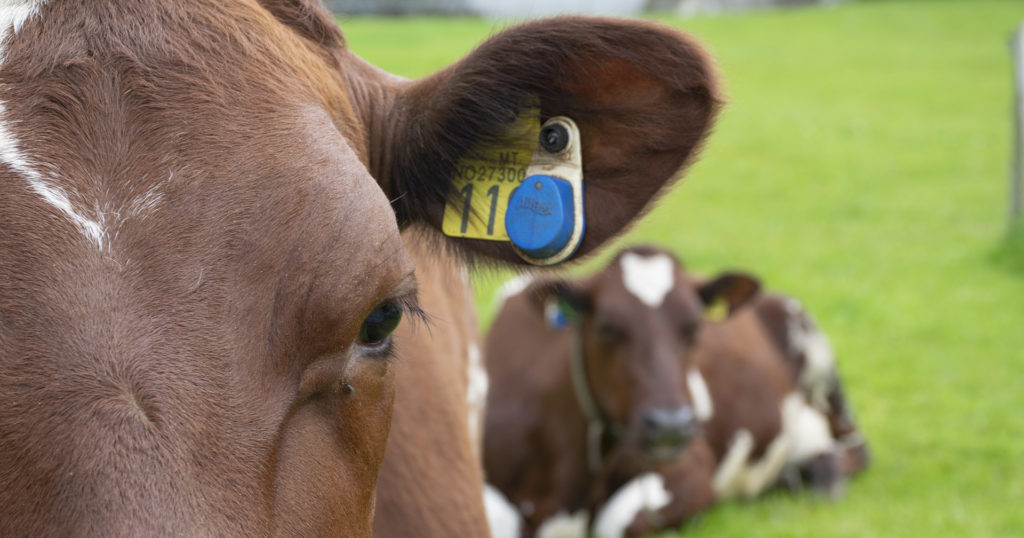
x: 861, y: 164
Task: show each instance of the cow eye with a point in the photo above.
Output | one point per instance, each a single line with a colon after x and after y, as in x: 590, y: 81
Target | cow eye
x: 689, y: 332
x: 611, y: 335
x: 379, y: 325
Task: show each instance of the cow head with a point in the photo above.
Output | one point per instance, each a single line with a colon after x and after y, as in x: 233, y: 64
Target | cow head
x: 200, y: 261
x: 637, y: 321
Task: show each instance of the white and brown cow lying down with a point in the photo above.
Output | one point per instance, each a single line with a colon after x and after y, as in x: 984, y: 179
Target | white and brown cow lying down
x: 212, y: 215
x: 755, y: 400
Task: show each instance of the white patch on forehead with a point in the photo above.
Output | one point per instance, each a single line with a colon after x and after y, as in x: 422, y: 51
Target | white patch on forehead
x: 562, y: 525
x: 807, y: 429
x: 644, y: 493
x: 502, y: 517
x: 649, y: 278
x: 476, y: 392
x: 703, y: 407
x: 12, y: 17
x: 10, y: 154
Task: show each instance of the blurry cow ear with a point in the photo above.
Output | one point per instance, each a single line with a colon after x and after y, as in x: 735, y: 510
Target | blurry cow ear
x: 736, y: 289
x: 642, y: 94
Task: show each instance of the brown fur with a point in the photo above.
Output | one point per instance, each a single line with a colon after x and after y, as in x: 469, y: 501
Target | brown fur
x: 743, y: 374
x: 199, y: 372
x: 750, y: 364
x: 431, y: 482
x: 535, y: 437
x: 182, y: 380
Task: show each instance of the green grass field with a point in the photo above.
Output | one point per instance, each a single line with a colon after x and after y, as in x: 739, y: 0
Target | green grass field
x: 861, y: 164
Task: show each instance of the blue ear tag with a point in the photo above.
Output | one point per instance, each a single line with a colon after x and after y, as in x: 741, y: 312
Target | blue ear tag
x: 555, y: 316
x: 544, y: 218
x: 540, y: 217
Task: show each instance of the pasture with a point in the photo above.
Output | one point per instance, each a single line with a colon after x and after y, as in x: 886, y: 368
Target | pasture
x: 861, y: 165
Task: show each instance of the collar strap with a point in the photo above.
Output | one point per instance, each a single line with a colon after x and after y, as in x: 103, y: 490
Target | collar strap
x: 597, y: 423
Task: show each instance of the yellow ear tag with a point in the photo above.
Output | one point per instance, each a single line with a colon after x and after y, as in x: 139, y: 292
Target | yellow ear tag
x: 717, y: 311
x: 485, y: 179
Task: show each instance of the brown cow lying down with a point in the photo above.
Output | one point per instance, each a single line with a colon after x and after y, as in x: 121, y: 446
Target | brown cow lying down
x: 775, y: 415
x: 748, y: 379
x: 618, y: 377
x: 212, y: 217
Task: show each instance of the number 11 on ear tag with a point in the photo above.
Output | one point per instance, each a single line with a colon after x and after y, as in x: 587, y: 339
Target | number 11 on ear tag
x: 484, y: 181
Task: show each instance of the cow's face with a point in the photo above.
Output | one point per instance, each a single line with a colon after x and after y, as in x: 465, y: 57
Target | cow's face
x: 198, y: 279
x: 638, y: 321
x: 199, y: 263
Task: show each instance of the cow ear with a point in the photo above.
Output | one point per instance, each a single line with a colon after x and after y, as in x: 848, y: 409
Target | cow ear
x: 736, y: 289
x: 642, y: 94
x: 561, y: 302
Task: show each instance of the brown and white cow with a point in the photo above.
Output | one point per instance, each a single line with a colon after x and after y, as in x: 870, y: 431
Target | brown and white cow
x: 567, y: 402
x: 774, y: 414
x: 201, y: 260
x: 764, y: 386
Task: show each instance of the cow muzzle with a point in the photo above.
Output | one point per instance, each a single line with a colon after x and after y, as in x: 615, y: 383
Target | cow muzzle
x: 667, y: 431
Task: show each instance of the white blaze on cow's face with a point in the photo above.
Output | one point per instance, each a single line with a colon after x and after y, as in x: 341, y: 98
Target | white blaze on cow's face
x: 638, y: 322
x: 12, y: 151
x: 44, y: 185
x: 649, y: 278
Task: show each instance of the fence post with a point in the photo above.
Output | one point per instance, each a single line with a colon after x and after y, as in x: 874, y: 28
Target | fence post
x: 1017, y: 174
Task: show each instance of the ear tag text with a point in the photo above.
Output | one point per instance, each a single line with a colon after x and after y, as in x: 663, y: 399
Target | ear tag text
x: 526, y: 189
x: 485, y: 178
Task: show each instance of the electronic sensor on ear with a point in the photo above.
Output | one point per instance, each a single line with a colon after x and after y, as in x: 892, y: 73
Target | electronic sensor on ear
x: 544, y: 219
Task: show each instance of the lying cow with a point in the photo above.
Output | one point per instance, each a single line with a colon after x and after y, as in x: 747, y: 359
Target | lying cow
x: 774, y: 414
x: 619, y: 377
x: 212, y: 217
x: 749, y: 391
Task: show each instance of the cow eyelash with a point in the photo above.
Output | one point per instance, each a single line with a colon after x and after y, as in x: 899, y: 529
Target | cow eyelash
x: 376, y: 334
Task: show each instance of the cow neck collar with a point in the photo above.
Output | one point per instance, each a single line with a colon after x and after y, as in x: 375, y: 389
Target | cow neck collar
x: 598, y: 423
